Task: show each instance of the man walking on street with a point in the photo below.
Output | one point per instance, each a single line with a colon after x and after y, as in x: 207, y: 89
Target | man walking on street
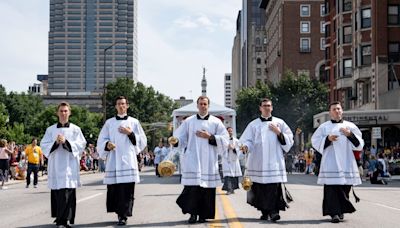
x: 266, y: 139
x: 202, y: 137
x: 335, y: 140
x: 230, y: 164
x: 34, y: 155
x: 120, y: 141
x: 62, y: 144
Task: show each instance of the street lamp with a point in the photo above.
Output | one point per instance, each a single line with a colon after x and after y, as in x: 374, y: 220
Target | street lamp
x: 104, y: 78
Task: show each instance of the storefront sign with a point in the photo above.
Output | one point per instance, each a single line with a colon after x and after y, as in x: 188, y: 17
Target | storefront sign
x: 376, y: 133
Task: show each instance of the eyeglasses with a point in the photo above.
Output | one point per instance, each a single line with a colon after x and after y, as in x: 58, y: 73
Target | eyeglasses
x: 267, y: 105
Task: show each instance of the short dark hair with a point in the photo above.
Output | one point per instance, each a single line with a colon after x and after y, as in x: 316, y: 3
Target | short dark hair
x: 202, y: 98
x: 63, y: 104
x: 121, y: 98
x: 33, y: 138
x: 229, y: 127
x: 334, y: 103
x: 265, y: 100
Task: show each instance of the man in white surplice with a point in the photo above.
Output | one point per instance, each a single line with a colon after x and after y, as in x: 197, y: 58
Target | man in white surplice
x: 121, y: 139
x: 63, y: 144
x: 335, y: 140
x: 202, y: 137
x: 266, y: 139
x: 230, y: 164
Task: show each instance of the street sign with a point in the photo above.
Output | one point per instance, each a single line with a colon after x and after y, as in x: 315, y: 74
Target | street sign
x: 376, y: 133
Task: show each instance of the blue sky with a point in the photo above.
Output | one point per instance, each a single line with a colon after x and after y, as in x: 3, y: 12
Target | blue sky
x: 176, y: 38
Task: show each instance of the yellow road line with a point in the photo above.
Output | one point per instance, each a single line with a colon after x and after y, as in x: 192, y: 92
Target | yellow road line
x: 230, y: 214
x: 216, y: 223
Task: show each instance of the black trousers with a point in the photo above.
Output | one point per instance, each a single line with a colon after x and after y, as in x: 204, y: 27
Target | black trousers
x: 267, y: 198
x: 63, y: 205
x: 120, y: 199
x: 196, y: 200
x: 336, y: 200
x: 35, y: 169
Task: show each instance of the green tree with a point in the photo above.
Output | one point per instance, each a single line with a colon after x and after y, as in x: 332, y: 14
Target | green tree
x: 298, y: 99
x: 295, y: 99
x: 23, y: 109
x: 3, y: 121
x: 89, y: 122
x: 248, y: 100
x: 145, y: 104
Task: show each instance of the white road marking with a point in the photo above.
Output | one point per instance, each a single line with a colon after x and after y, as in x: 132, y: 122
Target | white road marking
x: 383, y: 205
x: 89, y: 197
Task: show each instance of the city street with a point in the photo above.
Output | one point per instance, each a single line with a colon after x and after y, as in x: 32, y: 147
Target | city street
x: 155, y: 205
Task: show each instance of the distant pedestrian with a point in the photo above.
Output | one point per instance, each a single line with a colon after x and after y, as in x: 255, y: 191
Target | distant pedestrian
x: 4, y: 164
x: 34, y: 155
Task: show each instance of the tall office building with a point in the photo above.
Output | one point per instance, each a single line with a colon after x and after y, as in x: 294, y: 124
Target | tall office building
x: 81, y: 33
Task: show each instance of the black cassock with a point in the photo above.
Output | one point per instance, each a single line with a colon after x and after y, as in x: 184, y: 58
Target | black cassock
x: 63, y: 205
x: 197, y: 200
x: 120, y: 198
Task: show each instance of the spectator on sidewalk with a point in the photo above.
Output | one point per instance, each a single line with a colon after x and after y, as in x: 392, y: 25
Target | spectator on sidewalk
x: 4, y: 156
x: 13, y: 161
x: 34, y: 155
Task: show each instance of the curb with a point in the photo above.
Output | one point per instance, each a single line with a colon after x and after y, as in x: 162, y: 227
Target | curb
x: 40, y: 178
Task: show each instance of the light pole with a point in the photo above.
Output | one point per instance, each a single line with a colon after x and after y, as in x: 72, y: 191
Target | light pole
x: 104, y: 78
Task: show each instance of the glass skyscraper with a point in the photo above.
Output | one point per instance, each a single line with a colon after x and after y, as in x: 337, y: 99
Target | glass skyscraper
x: 80, y: 31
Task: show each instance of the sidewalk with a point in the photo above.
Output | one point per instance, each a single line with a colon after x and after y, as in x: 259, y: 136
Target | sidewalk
x: 40, y: 178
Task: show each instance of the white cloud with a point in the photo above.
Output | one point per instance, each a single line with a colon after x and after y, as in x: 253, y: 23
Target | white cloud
x: 186, y: 22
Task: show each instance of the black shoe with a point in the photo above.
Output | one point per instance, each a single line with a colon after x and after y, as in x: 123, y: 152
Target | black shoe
x: 264, y: 217
x: 121, y: 221
x: 275, y: 217
x: 192, y: 219
x: 202, y: 220
x: 341, y: 216
x: 335, y: 219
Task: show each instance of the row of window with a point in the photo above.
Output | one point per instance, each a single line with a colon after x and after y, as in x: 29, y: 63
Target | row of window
x: 365, y: 54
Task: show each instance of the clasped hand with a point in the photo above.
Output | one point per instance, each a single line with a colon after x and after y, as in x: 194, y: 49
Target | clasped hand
x: 203, y: 134
x: 275, y: 128
x: 60, y: 139
x: 125, y: 130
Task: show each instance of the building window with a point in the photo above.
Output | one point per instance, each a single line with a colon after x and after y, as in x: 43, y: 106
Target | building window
x: 305, y: 45
x: 258, y: 71
x: 394, y: 15
x: 366, y: 18
x: 347, y: 36
x: 305, y: 10
x: 366, y: 55
x: 322, y: 44
x: 322, y: 10
x: 366, y: 93
x: 347, y: 67
x: 394, y: 52
x: 322, y: 27
x: 305, y: 27
x: 258, y: 60
x: 227, y: 77
x: 347, y: 5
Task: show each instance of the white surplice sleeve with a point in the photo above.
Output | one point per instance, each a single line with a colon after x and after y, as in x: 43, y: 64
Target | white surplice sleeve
x: 248, y: 136
x: 47, y: 142
x: 78, y: 142
x: 104, y: 137
x: 222, y: 138
x: 318, y: 139
x: 182, y: 134
x: 140, y: 136
x: 288, y: 136
x: 357, y: 133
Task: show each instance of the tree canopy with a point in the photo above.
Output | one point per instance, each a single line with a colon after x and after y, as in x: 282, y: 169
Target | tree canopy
x: 295, y: 99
